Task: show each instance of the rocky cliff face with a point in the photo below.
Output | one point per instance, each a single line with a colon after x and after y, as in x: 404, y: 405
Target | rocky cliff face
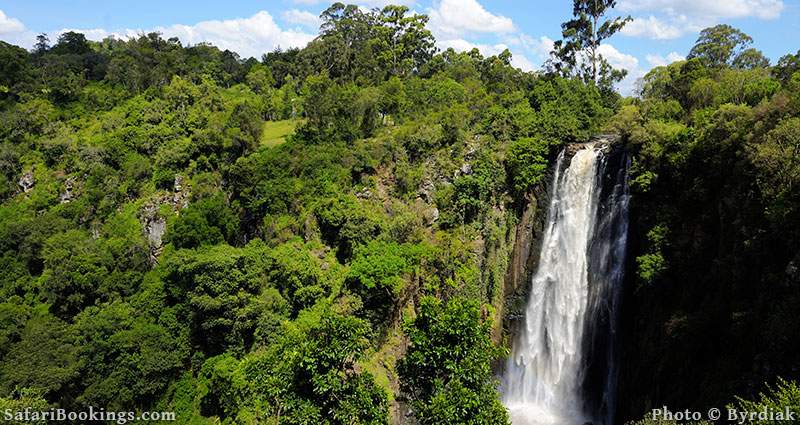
x: 525, y: 254
x: 154, y: 223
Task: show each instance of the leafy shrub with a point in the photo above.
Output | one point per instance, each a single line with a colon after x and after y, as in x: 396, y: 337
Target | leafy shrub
x: 785, y: 396
x: 446, y: 370
x: 526, y: 163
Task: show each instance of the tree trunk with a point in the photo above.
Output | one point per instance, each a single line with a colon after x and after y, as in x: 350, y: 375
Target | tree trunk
x: 595, y: 14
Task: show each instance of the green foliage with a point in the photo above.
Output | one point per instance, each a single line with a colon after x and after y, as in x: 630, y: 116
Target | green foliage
x: 777, y: 160
x: 345, y: 224
x: 446, y: 370
x: 75, y: 271
x: 44, y: 359
x: 14, y: 69
x: 780, y: 399
x: 378, y: 274
x: 331, y: 111
x: 357, y: 44
x: 578, y: 53
x: 260, y: 79
x: 25, y: 398
x: 786, y: 67
x: 512, y: 118
x: 308, y: 376
x: 223, y: 295
x: 295, y: 271
x: 206, y: 222
x: 714, y: 214
x: 129, y: 360
x: 526, y: 162
x: 750, y: 59
x: 721, y: 45
x: 568, y: 110
x: 650, y: 266
x: 379, y: 266
x: 474, y: 190
x: 396, y: 193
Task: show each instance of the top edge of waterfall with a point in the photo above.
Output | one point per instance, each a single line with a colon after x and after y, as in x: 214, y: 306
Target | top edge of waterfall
x: 598, y: 139
x: 606, y: 138
x: 604, y: 142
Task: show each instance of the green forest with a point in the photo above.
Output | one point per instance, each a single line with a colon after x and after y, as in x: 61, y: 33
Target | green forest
x: 324, y: 235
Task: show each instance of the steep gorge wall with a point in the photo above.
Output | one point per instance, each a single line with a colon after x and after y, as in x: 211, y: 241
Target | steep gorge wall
x: 524, y: 257
x: 720, y: 320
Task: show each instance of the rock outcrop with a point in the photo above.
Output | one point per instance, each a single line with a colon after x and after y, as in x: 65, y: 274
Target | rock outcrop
x: 27, y: 182
x: 154, y: 224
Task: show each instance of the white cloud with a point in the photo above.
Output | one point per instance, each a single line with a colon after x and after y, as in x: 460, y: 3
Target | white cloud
x: 367, y: 3
x: 461, y: 45
x: 248, y: 37
x: 763, y: 9
x: 13, y: 31
x: 301, y: 17
x: 384, y: 3
x: 540, y: 47
x: 624, y: 61
x: 670, y: 19
x: 658, y: 60
x: 653, y: 28
x: 9, y: 25
x: 521, y: 62
x: 616, y: 58
x: 454, y: 18
x: 630, y: 63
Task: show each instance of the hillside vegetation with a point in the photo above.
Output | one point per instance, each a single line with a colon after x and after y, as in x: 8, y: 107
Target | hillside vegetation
x: 265, y: 241
x: 322, y: 236
x: 712, y: 303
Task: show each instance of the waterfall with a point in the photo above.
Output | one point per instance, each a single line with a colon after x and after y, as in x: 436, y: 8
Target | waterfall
x: 562, y: 367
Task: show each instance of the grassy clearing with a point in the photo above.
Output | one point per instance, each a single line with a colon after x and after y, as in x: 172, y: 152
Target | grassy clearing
x: 273, y: 133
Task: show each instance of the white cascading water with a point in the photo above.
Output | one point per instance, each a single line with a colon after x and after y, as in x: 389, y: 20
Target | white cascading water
x: 544, y: 375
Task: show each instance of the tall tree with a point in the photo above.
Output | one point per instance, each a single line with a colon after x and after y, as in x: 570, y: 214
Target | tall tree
x: 750, y: 59
x: 344, y: 36
x: 410, y: 44
x: 42, y: 44
x: 719, y: 45
x: 786, y: 67
x: 578, y: 53
x: 72, y: 42
x: 370, y: 45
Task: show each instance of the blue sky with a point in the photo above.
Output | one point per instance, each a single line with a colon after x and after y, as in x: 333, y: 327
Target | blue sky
x: 662, y: 30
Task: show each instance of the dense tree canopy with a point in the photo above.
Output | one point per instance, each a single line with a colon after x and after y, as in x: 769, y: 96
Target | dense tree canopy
x: 724, y: 45
x: 163, y: 248
x: 716, y: 212
x: 321, y: 235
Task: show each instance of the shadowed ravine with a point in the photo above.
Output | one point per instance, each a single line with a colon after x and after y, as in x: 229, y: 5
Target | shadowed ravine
x: 562, y: 368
